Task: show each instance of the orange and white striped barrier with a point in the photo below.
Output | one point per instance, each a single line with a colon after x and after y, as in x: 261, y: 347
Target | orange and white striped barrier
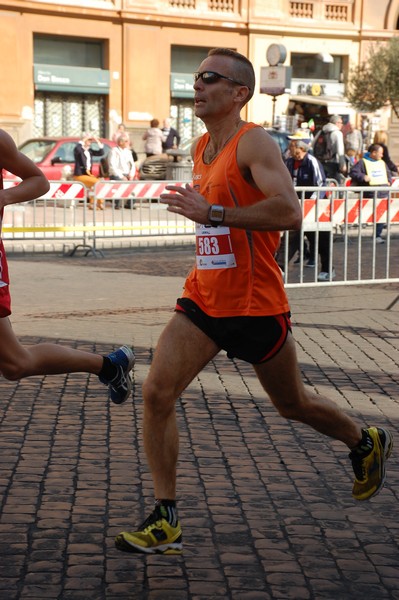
x: 59, y: 190
x: 334, y: 211
x: 108, y: 190
x: 351, y: 211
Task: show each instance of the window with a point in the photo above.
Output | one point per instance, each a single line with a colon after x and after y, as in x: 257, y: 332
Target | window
x: 309, y: 67
x: 186, y: 59
x: 72, y: 52
x: 37, y: 150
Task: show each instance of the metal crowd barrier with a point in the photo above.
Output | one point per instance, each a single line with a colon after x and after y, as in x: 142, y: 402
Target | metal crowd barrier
x: 136, y: 211
x: 57, y: 216
x: 121, y: 212
x: 347, y: 221
x: 114, y: 211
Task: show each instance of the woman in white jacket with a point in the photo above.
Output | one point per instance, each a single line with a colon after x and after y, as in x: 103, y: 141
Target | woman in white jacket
x: 153, y: 138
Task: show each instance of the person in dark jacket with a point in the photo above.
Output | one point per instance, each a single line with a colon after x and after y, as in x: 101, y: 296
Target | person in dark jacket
x: 306, y: 170
x: 83, y: 154
x: 172, y: 138
x: 373, y: 171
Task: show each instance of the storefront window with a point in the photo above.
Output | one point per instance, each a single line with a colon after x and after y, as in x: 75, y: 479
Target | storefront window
x: 74, y: 52
x: 309, y: 67
x: 184, y: 61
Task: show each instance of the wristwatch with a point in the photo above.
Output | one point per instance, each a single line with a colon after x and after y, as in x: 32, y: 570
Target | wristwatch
x: 216, y: 214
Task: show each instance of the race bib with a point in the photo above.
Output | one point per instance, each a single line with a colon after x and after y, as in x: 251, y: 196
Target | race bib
x: 213, y: 247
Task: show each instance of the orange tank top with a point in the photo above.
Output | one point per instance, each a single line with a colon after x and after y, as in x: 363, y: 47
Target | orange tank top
x: 235, y: 273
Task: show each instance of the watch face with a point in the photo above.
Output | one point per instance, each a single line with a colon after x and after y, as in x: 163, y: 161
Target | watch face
x: 217, y: 213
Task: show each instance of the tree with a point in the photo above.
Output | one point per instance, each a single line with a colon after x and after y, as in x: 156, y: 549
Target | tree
x: 375, y: 82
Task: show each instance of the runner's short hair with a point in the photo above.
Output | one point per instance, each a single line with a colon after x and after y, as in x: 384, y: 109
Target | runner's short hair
x: 243, y: 68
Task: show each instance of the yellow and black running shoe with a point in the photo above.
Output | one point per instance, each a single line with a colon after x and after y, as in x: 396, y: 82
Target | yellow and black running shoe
x: 154, y: 536
x: 369, y: 467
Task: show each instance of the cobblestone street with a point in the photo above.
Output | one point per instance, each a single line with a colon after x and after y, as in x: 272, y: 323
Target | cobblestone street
x: 265, y: 504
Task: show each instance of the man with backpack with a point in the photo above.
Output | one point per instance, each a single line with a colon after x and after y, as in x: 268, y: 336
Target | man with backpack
x: 328, y: 148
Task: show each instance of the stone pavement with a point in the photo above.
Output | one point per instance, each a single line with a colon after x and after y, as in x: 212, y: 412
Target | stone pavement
x: 265, y: 504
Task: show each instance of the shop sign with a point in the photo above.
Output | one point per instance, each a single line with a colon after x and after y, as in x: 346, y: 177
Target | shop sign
x: 316, y: 89
x: 181, y: 85
x: 275, y: 80
x: 312, y: 89
x: 84, y: 80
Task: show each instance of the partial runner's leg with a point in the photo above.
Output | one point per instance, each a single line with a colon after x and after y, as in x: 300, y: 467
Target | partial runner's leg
x: 18, y: 361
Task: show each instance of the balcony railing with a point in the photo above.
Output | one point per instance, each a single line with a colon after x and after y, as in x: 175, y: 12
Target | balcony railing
x: 330, y: 11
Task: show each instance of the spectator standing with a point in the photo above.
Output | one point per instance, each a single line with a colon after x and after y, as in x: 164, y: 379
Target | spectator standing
x: 83, y: 154
x: 121, y: 164
x: 172, y: 137
x: 306, y: 170
x: 353, y: 142
x: 371, y: 170
x: 153, y: 138
x: 290, y: 149
x: 294, y: 236
x: 119, y: 130
x: 303, y: 135
x: 381, y: 138
x: 328, y: 148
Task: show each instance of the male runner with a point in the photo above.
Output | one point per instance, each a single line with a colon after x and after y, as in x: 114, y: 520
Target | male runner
x: 234, y: 299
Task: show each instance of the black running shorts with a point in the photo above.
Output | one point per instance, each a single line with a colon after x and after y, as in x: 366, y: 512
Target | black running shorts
x: 253, y: 339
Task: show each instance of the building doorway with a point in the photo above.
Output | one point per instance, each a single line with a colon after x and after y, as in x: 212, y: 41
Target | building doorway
x: 68, y: 114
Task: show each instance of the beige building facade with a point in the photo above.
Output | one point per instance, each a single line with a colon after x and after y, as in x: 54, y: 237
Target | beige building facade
x: 75, y: 65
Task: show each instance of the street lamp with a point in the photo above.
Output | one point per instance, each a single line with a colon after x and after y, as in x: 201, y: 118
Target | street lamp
x: 275, y: 79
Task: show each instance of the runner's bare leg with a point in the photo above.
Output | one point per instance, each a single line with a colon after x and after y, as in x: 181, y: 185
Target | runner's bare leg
x: 182, y: 352
x: 281, y: 379
x: 18, y: 361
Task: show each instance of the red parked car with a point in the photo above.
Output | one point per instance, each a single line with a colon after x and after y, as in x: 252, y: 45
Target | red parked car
x: 54, y: 155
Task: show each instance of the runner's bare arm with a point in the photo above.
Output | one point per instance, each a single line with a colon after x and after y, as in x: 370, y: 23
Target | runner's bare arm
x: 261, y: 165
x: 33, y: 185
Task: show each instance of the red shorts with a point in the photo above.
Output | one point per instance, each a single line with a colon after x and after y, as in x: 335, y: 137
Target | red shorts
x: 253, y: 339
x: 5, y: 299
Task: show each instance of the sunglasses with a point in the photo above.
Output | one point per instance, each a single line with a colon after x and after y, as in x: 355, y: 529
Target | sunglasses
x: 212, y: 77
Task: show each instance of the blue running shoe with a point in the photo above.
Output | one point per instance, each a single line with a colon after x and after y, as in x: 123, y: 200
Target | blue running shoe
x: 120, y: 386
